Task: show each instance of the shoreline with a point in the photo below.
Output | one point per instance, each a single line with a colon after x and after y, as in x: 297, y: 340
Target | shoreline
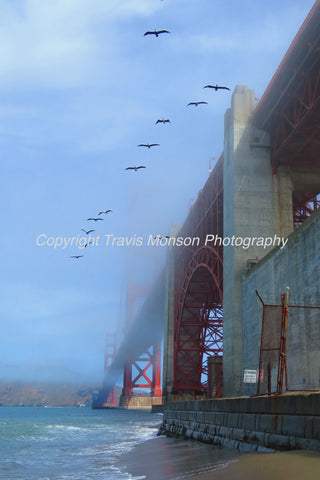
x: 163, y: 458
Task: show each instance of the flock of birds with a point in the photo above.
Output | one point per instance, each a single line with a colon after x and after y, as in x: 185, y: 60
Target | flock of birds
x: 216, y: 87
x: 135, y: 168
x: 87, y: 232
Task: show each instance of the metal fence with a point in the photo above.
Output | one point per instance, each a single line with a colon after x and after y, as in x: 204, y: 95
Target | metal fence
x: 289, y: 348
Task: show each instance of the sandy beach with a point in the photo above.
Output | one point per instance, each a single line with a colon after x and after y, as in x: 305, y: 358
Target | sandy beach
x: 173, y: 459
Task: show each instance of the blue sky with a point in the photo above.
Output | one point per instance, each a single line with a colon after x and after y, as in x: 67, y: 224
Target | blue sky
x: 80, y: 88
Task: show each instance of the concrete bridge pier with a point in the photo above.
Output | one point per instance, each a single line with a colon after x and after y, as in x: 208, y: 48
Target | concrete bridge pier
x: 257, y: 202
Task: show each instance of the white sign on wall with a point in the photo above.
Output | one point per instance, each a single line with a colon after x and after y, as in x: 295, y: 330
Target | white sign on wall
x: 250, y: 376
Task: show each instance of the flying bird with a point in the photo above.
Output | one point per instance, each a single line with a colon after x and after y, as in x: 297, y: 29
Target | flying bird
x: 104, y: 211
x: 148, y: 145
x: 135, y: 168
x: 217, y: 87
x: 87, y: 231
x: 76, y: 256
x: 162, y: 120
x: 87, y: 243
x: 156, y: 32
x: 160, y: 238
x: 195, y: 103
x: 94, y: 218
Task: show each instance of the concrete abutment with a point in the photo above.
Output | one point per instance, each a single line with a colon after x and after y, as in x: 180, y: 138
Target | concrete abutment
x: 257, y: 203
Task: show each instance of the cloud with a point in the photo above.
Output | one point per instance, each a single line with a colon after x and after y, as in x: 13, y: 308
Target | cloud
x: 236, y: 42
x: 65, y: 66
x: 269, y: 34
x: 58, y: 43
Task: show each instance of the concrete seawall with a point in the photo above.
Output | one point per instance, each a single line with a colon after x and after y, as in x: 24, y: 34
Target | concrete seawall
x: 297, y: 266
x: 289, y: 422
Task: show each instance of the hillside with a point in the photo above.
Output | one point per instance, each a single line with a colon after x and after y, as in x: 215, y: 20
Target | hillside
x: 46, y: 394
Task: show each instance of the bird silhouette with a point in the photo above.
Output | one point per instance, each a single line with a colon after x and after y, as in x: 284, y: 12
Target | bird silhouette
x: 160, y: 237
x: 94, y: 218
x: 148, y: 145
x: 87, y: 231
x: 76, y: 256
x: 217, y: 87
x: 196, y: 103
x: 87, y: 243
x: 155, y: 32
x: 104, y: 211
x: 162, y: 120
x: 135, y: 168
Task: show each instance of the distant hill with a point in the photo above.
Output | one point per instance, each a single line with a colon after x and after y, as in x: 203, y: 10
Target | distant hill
x: 46, y: 394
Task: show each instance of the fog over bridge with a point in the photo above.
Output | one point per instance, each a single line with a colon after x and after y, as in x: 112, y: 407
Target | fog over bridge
x: 263, y: 187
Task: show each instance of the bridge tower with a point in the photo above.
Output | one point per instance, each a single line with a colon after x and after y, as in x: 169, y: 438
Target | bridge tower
x: 144, y: 371
x: 109, y: 397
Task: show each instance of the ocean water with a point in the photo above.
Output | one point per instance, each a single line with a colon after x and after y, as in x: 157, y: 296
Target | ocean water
x: 70, y: 443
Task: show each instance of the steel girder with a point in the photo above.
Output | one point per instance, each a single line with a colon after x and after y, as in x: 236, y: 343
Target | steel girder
x: 301, y: 211
x: 198, y: 331
x: 142, y: 369
x: 290, y: 111
x: 144, y: 372
x: 296, y: 136
x: 296, y: 131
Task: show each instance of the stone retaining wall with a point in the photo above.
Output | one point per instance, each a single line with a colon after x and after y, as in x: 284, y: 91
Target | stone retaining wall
x: 289, y: 422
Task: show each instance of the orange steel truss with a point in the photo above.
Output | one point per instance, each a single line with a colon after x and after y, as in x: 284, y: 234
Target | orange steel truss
x: 301, y: 211
x: 198, y: 290
x: 290, y: 110
x: 144, y: 371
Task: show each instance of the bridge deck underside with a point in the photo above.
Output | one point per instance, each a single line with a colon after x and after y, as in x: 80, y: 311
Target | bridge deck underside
x: 290, y: 111
x: 295, y: 134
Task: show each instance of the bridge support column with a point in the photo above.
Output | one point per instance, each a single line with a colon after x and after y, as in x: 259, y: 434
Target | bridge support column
x: 282, y: 194
x: 168, y: 339
x: 256, y: 202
